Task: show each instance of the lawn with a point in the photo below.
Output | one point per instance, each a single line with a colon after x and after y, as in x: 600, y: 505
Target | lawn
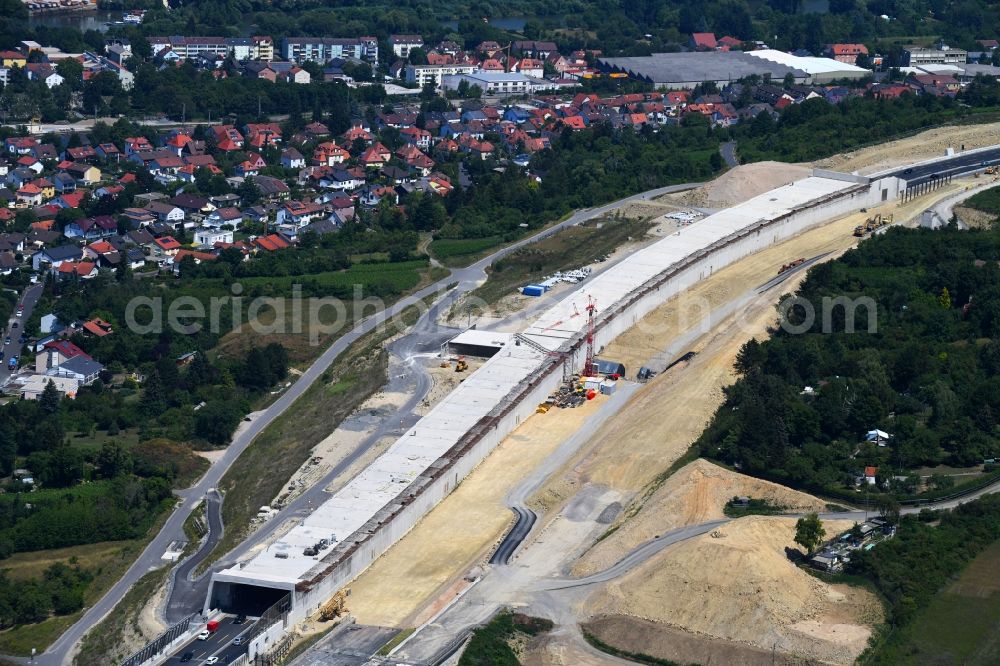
x: 462, y: 251
x: 962, y: 623
x: 987, y: 201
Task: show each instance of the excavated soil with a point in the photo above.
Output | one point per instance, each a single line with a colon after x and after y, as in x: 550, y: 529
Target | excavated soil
x: 695, y: 494
x: 742, y: 183
x: 736, y: 583
x: 923, y: 146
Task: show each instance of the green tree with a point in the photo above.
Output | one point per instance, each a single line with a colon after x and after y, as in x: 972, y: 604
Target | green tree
x: 809, y: 532
x: 113, y: 460
x: 50, y: 398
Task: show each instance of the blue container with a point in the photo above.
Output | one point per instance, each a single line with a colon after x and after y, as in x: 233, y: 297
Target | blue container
x: 533, y: 290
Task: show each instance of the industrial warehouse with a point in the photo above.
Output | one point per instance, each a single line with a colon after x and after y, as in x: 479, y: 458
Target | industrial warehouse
x: 343, y: 536
x: 687, y: 70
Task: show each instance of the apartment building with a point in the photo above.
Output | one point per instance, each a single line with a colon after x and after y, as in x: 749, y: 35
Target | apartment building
x: 424, y: 74
x: 260, y: 47
x: 324, y: 49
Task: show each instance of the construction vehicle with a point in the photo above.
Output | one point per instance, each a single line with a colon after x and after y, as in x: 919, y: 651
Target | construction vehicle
x: 872, y: 224
x: 335, y: 607
x: 543, y: 408
x: 461, y: 365
x: 991, y: 170
x: 791, y: 265
x: 445, y: 364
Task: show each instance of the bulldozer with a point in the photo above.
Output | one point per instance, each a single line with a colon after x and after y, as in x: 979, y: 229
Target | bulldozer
x: 335, y: 607
x: 461, y: 365
x: 991, y: 170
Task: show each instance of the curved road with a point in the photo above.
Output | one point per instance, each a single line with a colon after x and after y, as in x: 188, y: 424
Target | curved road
x: 647, y: 549
x: 522, y: 526
x: 467, y: 278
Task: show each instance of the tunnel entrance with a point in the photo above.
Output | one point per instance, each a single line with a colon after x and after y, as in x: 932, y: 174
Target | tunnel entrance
x: 243, y: 599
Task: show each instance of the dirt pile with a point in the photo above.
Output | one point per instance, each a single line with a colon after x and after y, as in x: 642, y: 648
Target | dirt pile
x: 736, y: 583
x: 742, y: 183
x: 696, y: 493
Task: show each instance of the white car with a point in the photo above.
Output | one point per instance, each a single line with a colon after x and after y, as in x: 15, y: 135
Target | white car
x: 211, y: 660
x: 204, y: 634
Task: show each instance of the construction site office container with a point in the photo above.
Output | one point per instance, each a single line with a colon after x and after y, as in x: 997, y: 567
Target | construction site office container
x: 533, y: 290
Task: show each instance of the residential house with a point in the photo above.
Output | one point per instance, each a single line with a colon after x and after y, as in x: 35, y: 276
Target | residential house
x: 85, y: 174
x: 229, y: 215
x: 209, y: 236
x: 846, y: 53
x: 704, y: 41
x: 292, y: 159
x: 165, y: 212
x: 271, y: 189
x: 84, y: 370
x: 271, y: 242
x: 83, y: 270
x: 329, y: 154
x: 298, y: 213
x: 90, y: 228
x: 164, y: 246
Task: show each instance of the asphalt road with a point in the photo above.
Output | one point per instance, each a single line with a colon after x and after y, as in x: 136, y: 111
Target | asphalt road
x: 525, y: 521
x: 965, y: 163
x: 29, y: 298
x: 218, y: 644
x: 728, y: 152
x: 468, y: 278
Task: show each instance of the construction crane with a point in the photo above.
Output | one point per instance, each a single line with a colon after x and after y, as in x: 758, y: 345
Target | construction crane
x: 336, y: 606
x: 588, y: 363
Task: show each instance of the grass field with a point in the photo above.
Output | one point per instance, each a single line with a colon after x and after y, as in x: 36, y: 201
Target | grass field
x: 571, y: 248
x: 960, y: 626
x: 987, y: 201
x: 462, y: 251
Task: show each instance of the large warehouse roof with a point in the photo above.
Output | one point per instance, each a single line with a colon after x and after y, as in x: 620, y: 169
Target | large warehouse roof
x: 825, y: 67
x: 676, y: 69
x: 378, y: 485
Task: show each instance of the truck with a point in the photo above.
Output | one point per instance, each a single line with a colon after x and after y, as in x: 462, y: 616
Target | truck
x: 212, y: 626
x: 12, y: 363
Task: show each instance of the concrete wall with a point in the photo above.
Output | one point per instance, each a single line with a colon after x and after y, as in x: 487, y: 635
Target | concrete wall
x: 263, y: 642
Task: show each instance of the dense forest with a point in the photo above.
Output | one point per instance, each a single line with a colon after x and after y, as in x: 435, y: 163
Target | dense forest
x: 926, y: 371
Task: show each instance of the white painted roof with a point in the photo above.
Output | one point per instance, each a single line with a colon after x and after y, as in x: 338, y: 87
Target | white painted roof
x: 808, y: 65
x: 481, y: 338
x: 350, y: 508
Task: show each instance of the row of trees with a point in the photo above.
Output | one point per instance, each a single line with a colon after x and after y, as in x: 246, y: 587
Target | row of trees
x: 59, y: 591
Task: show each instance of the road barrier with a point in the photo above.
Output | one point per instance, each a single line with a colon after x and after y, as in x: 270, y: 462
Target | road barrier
x: 161, y: 643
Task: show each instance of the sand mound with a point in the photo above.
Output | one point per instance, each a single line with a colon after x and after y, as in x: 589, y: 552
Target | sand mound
x: 737, y: 584
x: 744, y: 182
x: 696, y: 493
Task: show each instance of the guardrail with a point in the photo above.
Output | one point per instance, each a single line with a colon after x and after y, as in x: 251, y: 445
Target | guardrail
x: 160, y: 644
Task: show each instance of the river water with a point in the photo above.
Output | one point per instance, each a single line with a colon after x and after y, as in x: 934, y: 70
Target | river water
x: 83, y: 21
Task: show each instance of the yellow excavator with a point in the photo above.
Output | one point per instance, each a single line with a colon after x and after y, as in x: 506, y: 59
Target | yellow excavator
x: 335, y: 607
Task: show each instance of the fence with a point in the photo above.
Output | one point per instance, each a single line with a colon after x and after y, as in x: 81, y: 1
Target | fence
x: 160, y: 643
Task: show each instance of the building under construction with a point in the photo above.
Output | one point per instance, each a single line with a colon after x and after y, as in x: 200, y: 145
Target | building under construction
x: 344, y: 535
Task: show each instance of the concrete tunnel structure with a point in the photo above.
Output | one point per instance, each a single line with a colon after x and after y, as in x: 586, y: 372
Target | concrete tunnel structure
x: 362, y: 520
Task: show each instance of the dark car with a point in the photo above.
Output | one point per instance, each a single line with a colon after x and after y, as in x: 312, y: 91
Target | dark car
x: 15, y: 325
x: 240, y: 619
x: 908, y: 170
x: 187, y: 656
